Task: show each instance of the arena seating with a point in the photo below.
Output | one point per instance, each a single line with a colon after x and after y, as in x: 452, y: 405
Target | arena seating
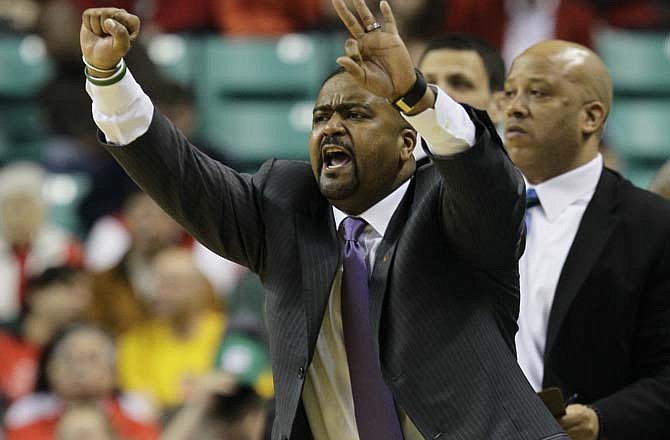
x: 639, y: 126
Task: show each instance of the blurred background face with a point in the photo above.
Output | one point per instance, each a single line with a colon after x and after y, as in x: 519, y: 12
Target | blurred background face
x: 86, y: 422
x: 82, y: 366
x: 150, y: 227
x: 460, y: 73
x: 21, y: 216
x: 61, y: 303
x: 179, y: 285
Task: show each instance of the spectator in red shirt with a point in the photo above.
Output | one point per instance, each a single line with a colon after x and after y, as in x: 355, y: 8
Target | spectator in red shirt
x: 78, y: 367
x: 55, y: 298
x: 85, y: 422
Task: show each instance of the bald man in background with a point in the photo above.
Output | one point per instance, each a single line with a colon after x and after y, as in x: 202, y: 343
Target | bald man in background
x: 595, y: 277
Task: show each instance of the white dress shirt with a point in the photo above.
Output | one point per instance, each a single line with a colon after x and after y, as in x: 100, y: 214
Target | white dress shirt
x: 552, y: 228
x: 123, y: 113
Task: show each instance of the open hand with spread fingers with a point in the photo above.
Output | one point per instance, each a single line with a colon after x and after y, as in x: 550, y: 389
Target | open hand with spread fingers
x: 375, y: 55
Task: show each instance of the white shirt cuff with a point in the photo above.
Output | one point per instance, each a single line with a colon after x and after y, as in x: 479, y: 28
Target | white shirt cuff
x: 122, y: 110
x: 447, y: 128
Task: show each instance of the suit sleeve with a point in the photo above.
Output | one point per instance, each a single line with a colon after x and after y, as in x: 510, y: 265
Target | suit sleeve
x: 220, y: 207
x: 482, y: 200
x: 642, y: 409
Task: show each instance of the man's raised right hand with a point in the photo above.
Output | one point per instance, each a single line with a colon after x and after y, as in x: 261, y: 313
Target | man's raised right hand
x: 106, y: 36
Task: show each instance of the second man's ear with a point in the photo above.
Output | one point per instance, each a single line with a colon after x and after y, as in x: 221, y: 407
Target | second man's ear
x: 496, y: 108
x: 408, y: 137
x: 594, y: 117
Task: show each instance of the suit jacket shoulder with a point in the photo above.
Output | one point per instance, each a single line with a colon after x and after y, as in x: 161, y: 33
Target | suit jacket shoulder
x: 608, y: 333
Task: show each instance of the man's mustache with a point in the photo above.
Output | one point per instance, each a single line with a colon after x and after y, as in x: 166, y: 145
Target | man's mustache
x: 337, y: 140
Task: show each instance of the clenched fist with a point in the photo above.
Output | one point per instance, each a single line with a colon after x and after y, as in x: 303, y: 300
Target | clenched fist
x: 106, y: 36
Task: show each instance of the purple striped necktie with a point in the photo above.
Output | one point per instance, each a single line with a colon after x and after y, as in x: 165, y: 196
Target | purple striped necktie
x: 376, y: 416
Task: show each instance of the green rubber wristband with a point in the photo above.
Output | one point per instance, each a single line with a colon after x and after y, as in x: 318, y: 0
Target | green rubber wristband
x: 118, y: 76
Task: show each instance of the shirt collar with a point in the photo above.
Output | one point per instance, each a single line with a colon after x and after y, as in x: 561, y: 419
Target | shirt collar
x: 418, y: 152
x: 379, y: 215
x: 559, y: 192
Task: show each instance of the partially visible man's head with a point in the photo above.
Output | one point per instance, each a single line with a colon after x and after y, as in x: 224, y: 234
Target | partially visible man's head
x: 151, y: 229
x: 22, y: 205
x: 57, y: 297
x: 360, y: 146
x: 557, y: 97
x: 180, y: 288
x: 239, y: 416
x: 467, y: 68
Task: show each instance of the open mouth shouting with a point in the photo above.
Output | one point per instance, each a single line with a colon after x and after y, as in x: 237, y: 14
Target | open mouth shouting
x: 334, y: 157
x: 337, y: 178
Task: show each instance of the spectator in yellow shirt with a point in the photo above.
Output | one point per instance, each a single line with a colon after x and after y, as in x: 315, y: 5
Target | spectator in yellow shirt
x: 164, y: 356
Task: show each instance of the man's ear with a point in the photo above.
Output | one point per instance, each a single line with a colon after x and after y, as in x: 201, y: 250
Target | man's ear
x: 593, y: 117
x: 496, y: 108
x: 407, y: 139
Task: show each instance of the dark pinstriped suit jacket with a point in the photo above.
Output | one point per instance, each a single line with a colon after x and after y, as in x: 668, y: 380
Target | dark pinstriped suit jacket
x: 444, y: 289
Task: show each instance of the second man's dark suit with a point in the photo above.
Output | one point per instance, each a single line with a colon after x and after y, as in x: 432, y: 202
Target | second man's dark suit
x: 444, y: 288
x: 608, y: 337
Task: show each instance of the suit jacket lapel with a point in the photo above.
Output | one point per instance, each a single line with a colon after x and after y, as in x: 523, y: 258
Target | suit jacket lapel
x: 597, y: 225
x: 384, y: 259
x: 319, y: 256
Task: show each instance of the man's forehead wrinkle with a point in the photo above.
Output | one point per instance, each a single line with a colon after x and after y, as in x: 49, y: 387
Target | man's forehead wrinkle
x: 342, y: 88
x: 340, y: 103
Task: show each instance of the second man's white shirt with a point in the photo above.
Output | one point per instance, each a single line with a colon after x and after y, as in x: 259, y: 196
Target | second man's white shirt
x: 552, y: 228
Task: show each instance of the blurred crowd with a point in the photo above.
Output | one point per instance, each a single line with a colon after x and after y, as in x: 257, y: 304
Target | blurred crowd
x: 117, y: 351
x: 506, y: 24
x: 125, y: 326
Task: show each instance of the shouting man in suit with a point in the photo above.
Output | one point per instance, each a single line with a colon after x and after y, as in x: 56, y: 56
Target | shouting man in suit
x: 392, y: 291
x: 595, y: 277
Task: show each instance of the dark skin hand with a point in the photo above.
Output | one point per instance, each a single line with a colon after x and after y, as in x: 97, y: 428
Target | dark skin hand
x: 106, y: 35
x: 378, y: 60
